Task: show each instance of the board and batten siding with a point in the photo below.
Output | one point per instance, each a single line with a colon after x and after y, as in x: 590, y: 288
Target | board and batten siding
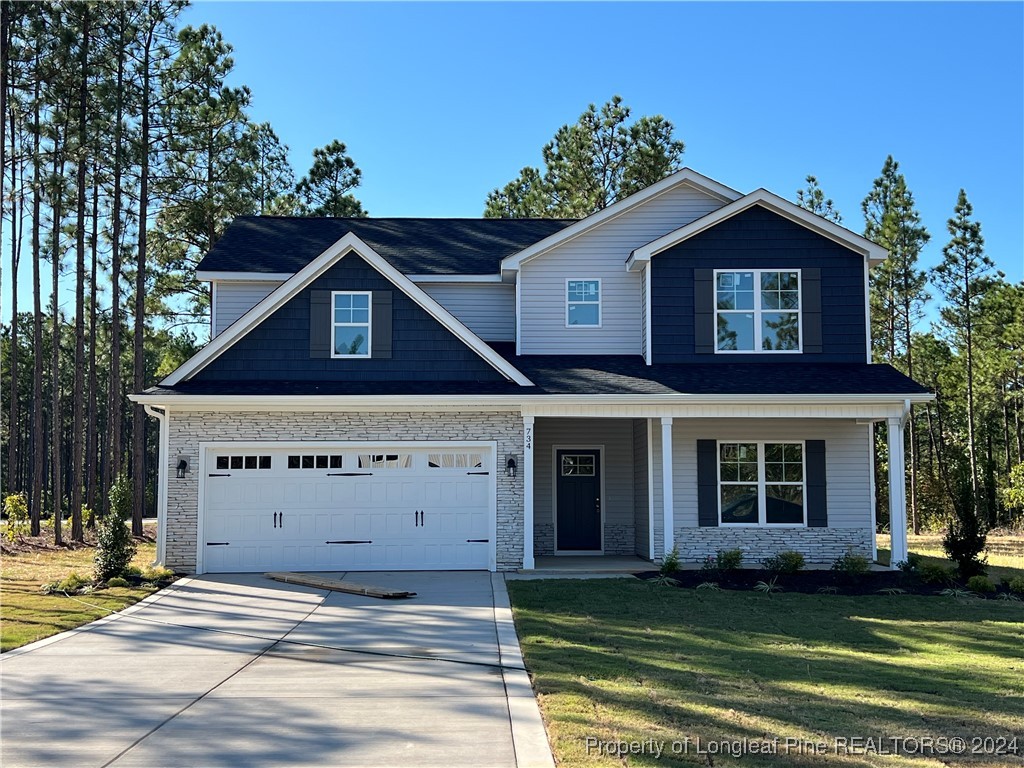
x: 615, y: 438
x: 600, y: 253
x: 848, y: 489
x: 233, y: 299
x: 487, y: 309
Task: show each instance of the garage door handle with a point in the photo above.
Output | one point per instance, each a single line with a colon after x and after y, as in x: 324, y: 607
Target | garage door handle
x: 348, y: 474
x: 477, y: 541
x: 217, y: 543
x: 478, y: 473
x: 213, y: 474
x: 348, y: 542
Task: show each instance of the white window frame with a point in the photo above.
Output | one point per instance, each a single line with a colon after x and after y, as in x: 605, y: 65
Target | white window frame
x: 757, y: 310
x: 761, y: 483
x: 600, y: 300
x: 368, y: 324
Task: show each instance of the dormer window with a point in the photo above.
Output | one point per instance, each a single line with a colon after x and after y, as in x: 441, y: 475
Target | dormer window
x: 351, y: 324
x: 757, y: 310
x: 583, y: 303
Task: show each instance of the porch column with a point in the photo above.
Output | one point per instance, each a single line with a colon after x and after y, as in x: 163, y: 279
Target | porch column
x: 897, y: 493
x: 528, y: 563
x: 668, y: 502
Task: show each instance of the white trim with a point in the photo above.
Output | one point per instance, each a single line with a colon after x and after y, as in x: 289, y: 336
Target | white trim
x: 245, y: 277
x: 758, y: 310
x: 648, y: 341
x: 369, y: 325
x: 762, y: 505
x: 600, y: 300
x: 683, y: 176
x: 650, y: 489
x: 554, y: 494
x: 872, y: 506
x: 897, y: 493
x: 519, y: 295
x: 455, y: 278
x: 213, y: 309
x: 871, y: 251
x: 668, y: 501
x: 289, y: 289
x: 207, y: 446
x: 163, y: 462
x: 529, y: 439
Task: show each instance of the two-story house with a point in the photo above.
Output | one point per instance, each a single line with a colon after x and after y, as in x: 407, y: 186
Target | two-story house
x: 689, y: 366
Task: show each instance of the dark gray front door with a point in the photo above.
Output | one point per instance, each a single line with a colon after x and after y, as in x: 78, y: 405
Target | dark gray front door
x: 578, y: 495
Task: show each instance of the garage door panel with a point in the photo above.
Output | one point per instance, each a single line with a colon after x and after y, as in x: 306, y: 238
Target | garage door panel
x: 282, y: 516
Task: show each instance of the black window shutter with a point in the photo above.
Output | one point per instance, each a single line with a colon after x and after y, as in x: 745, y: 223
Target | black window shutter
x: 320, y: 324
x: 704, y: 311
x: 810, y: 283
x: 707, y: 483
x: 380, y: 333
x: 817, y: 506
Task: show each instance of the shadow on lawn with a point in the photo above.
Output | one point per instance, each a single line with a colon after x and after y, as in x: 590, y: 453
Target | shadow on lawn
x: 666, y: 663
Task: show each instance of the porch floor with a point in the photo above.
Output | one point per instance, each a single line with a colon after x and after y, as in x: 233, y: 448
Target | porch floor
x: 591, y: 564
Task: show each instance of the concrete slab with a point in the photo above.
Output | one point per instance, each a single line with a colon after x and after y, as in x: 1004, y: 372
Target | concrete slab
x: 240, y: 670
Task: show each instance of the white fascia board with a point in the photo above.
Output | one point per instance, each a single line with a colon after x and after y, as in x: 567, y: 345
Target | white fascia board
x: 684, y: 176
x: 243, y: 277
x: 350, y: 243
x: 455, y: 278
x: 502, y: 402
x: 873, y: 252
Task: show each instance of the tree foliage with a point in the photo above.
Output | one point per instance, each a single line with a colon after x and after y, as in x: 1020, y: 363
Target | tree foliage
x: 327, y: 189
x: 812, y: 197
x: 590, y: 164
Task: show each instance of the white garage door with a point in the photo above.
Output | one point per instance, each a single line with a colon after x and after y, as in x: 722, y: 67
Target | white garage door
x: 320, y: 508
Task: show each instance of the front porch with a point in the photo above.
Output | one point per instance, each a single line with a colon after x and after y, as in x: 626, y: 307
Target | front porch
x: 601, y: 488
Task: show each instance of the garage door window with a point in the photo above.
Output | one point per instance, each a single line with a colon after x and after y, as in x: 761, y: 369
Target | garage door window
x: 454, y: 460
x: 243, y: 462
x: 315, y: 461
x: 385, y: 461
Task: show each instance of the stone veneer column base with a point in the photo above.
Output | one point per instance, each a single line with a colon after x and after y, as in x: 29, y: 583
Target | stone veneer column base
x: 817, y: 545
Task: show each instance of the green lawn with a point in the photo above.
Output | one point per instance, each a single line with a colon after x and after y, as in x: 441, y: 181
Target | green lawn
x: 629, y: 660
x: 1008, y: 561
x: 27, y: 615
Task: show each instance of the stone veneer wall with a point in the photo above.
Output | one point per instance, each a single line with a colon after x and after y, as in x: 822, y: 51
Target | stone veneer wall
x: 619, y: 539
x: 188, y: 429
x: 817, y: 545
x: 543, y: 538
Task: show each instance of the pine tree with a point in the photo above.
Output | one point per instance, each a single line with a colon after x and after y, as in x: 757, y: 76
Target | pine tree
x: 327, y: 189
x: 813, y: 199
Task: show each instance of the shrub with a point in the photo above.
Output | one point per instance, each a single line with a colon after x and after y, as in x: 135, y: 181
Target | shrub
x: 964, y: 541
x: 117, y: 581
x: 16, y: 512
x: 71, y: 584
x: 912, y: 564
x: 934, y: 573
x: 851, y: 564
x: 1016, y: 585
x: 768, y: 587
x: 784, y: 562
x: 728, y: 559
x: 981, y: 584
x: 670, y: 564
x: 115, y: 545
x: 157, y: 573
x: 709, y: 563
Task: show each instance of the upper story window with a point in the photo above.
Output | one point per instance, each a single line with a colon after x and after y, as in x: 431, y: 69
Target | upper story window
x: 351, y: 324
x: 583, y: 303
x: 757, y: 310
x: 761, y: 483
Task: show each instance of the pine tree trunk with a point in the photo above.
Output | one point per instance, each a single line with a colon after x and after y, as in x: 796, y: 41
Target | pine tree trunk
x: 38, y: 444
x: 13, y: 481
x: 78, y: 417
x: 55, y: 413
x: 971, y: 447
x: 92, y: 416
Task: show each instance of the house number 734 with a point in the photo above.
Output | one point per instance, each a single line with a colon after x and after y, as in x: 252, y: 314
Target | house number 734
x: 529, y: 438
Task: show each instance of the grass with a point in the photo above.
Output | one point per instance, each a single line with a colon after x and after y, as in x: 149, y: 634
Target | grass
x: 27, y: 615
x: 1000, y: 564
x: 629, y: 660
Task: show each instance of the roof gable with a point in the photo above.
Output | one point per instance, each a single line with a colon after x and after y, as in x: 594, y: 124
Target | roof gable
x: 873, y: 252
x: 685, y: 176
x: 350, y: 243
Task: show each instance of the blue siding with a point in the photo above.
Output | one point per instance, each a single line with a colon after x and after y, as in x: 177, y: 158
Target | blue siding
x: 278, y: 349
x: 758, y: 239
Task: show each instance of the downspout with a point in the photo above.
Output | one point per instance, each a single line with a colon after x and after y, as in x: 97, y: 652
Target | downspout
x: 161, y: 494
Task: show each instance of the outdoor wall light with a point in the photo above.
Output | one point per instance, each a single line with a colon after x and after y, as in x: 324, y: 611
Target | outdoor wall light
x: 182, y: 466
x: 510, y: 466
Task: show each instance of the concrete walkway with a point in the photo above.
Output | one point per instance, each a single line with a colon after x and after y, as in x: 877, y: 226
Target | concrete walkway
x: 242, y: 671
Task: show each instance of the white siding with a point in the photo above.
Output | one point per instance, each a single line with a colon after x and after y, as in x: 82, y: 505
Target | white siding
x: 487, y: 309
x: 600, y: 253
x: 233, y: 299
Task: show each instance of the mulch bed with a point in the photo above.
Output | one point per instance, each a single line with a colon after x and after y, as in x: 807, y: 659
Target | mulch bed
x: 813, y: 582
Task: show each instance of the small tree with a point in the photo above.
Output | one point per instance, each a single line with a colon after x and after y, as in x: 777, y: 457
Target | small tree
x: 16, y: 512
x: 115, y: 545
x: 964, y: 541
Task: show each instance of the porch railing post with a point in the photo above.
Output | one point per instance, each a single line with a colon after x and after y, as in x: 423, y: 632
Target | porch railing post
x: 668, y: 502
x: 528, y: 440
x: 897, y: 494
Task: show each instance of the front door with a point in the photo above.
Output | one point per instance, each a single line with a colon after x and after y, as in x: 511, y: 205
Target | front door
x: 578, y: 498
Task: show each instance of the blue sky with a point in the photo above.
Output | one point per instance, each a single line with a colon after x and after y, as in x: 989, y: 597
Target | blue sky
x: 440, y: 103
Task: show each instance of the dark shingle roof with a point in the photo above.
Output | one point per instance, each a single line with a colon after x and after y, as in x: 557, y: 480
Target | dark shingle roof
x: 607, y: 375
x: 413, y: 246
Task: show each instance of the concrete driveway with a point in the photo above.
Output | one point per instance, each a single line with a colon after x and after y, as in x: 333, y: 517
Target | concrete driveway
x: 242, y: 671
